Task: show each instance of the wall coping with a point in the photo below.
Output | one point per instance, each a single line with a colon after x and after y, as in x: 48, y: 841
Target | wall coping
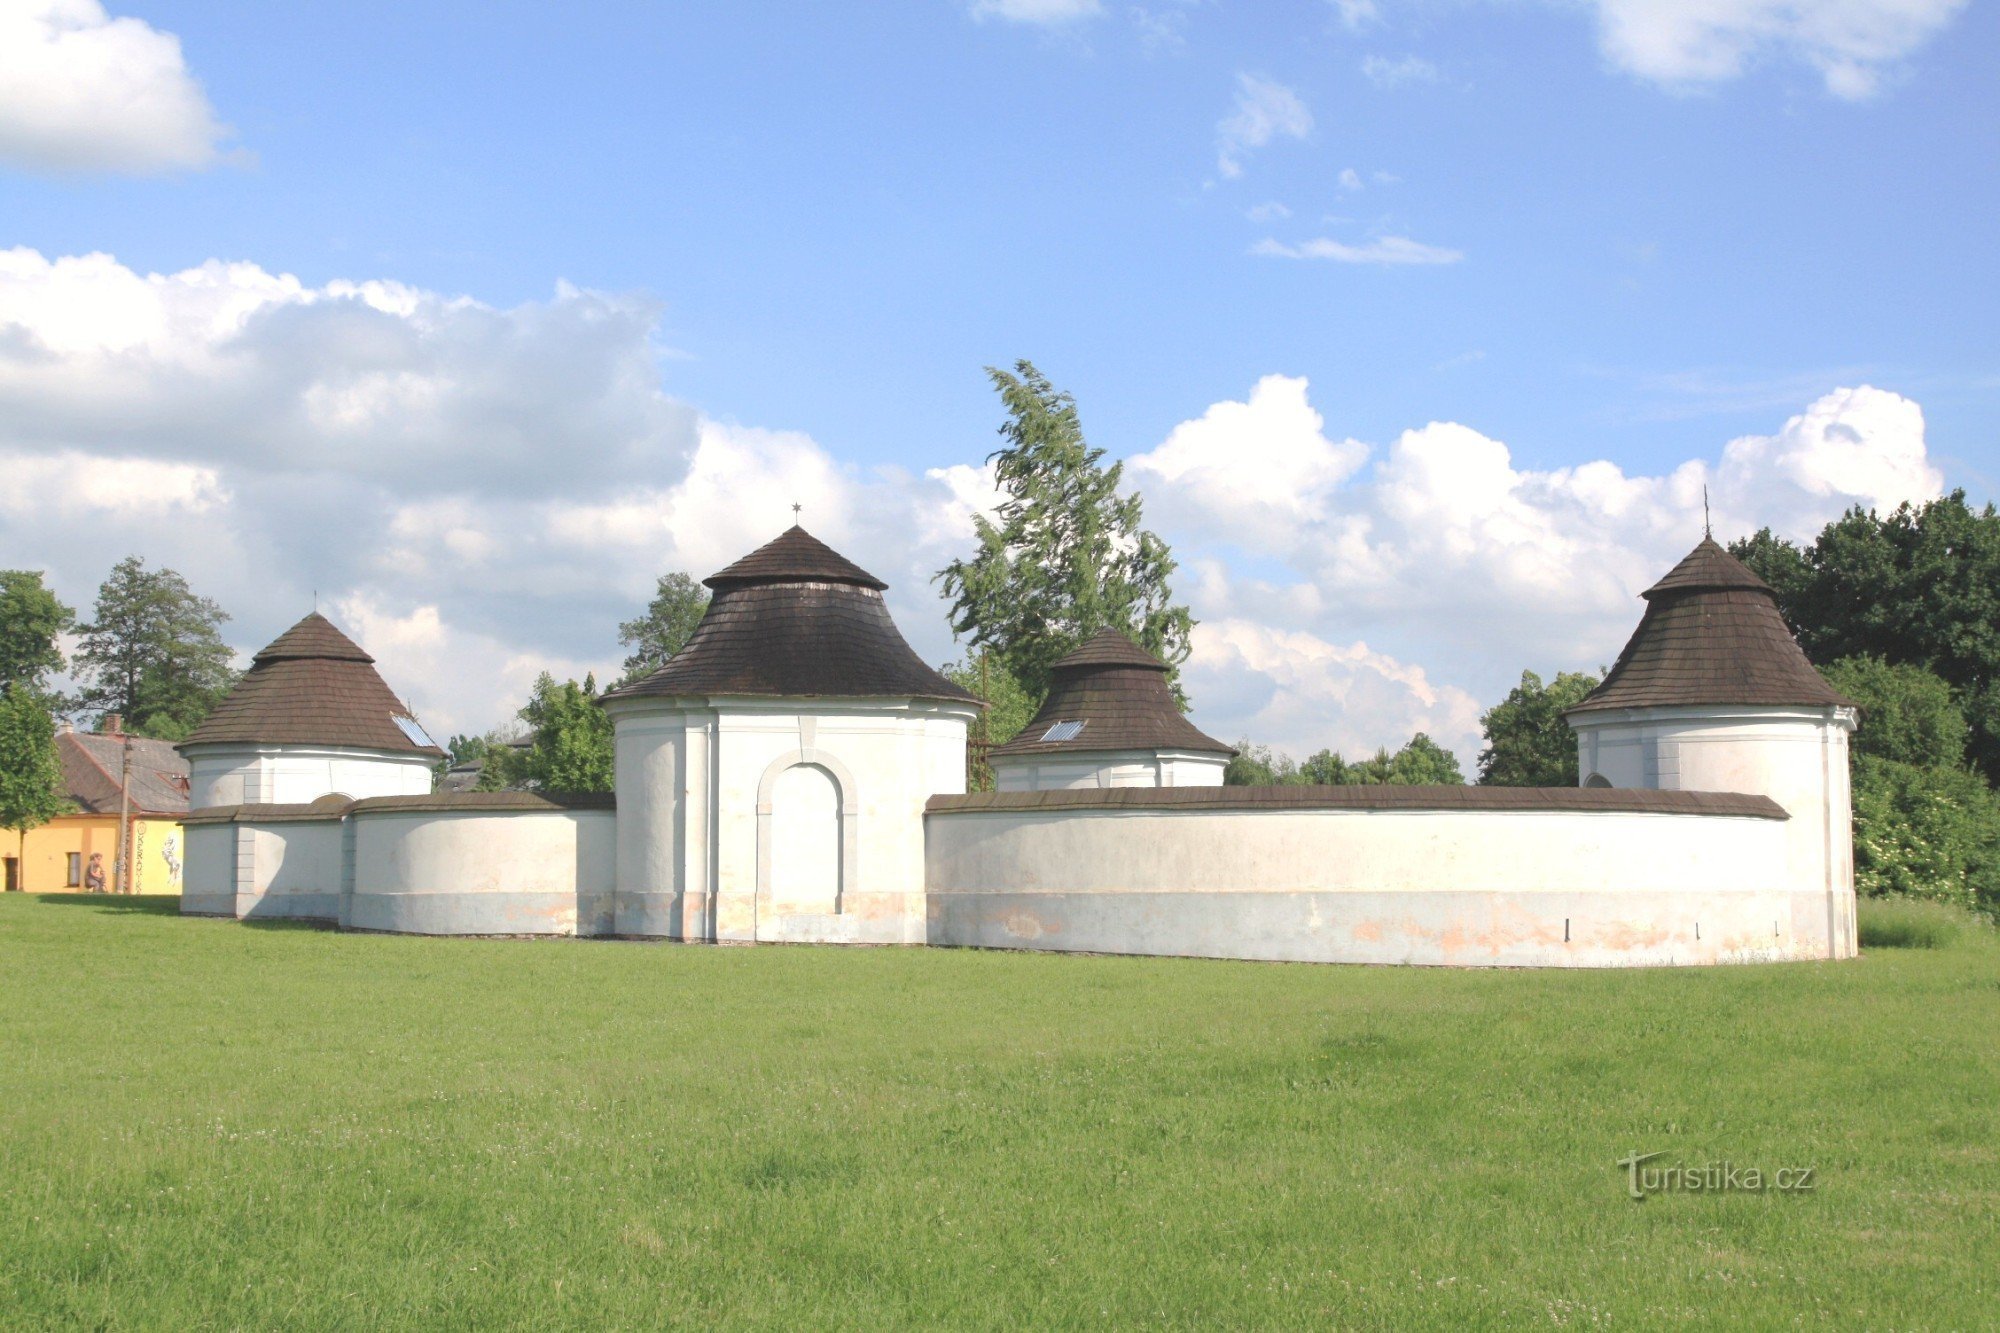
x: 486, y: 802
x: 1445, y: 800
x: 330, y: 809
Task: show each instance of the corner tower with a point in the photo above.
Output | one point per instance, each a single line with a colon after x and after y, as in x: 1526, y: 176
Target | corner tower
x: 772, y: 775
x: 310, y: 718
x: 1109, y: 721
x: 1712, y: 693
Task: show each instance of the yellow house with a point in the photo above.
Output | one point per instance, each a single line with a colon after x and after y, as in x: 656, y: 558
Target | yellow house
x: 70, y: 853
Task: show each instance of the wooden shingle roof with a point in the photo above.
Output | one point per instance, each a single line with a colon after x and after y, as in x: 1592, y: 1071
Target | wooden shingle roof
x: 313, y: 686
x: 1711, y: 634
x: 1118, y: 692
x: 796, y: 618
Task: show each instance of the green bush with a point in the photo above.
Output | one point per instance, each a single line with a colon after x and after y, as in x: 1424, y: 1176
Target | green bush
x: 1931, y: 833
x: 1900, y: 923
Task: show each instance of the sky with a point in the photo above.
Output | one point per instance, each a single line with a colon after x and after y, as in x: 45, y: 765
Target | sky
x: 1419, y: 325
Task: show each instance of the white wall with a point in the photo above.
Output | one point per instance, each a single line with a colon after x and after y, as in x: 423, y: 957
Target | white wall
x: 442, y: 871
x: 221, y: 775
x: 703, y: 791
x: 1492, y: 887
x: 290, y: 866
x: 1106, y: 768
x: 1796, y: 756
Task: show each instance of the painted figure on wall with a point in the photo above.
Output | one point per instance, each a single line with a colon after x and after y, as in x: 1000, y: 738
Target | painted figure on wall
x: 170, y: 852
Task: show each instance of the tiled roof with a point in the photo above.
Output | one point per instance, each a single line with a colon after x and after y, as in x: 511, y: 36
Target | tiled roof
x: 1118, y: 691
x: 312, y: 686
x: 794, y: 556
x: 91, y: 762
x: 1636, y: 800
x: 1711, y: 634
x: 796, y: 618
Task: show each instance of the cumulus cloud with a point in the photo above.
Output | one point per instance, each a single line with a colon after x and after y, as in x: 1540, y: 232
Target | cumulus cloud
x: 1440, y: 550
x: 81, y: 91
x: 1265, y: 110
x: 1399, y: 72
x: 1381, y: 250
x: 1691, y: 43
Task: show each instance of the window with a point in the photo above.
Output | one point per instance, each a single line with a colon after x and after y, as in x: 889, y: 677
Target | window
x: 75, y: 869
x: 1063, y: 731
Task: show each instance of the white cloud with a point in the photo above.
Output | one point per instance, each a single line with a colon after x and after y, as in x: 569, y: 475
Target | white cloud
x: 1357, y: 14
x: 1270, y: 211
x: 1400, y: 72
x: 81, y: 91
x: 1350, y: 179
x: 1690, y: 43
x: 1044, y: 13
x: 1382, y: 250
x: 1442, y: 551
x: 1264, y: 111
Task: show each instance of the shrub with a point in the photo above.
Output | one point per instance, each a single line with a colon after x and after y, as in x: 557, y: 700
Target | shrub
x: 1930, y: 833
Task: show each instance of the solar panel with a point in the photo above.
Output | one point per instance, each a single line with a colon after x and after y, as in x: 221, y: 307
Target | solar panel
x: 413, y: 731
x: 1063, y: 731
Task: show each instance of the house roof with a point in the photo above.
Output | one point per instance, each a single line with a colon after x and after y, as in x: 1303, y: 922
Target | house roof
x: 794, y: 556
x: 796, y: 618
x: 1712, y: 634
x: 313, y: 686
x: 91, y: 762
x: 1118, y: 692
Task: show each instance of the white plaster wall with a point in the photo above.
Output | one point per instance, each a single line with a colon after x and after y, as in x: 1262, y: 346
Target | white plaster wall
x: 496, y: 872
x: 1106, y: 768
x: 297, y: 775
x: 1512, y: 888
x: 695, y: 780
x: 1798, y: 757
x: 289, y: 868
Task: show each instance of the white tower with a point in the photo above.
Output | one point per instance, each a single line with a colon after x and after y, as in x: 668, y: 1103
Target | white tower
x: 772, y: 776
x: 1712, y: 693
x: 310, y: 718
x: 1109, y: 721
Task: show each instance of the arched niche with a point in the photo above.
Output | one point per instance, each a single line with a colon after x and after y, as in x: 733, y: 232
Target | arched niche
x: 807, y: 835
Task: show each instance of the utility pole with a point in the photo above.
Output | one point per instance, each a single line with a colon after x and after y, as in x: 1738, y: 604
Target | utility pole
x: 122, y: 867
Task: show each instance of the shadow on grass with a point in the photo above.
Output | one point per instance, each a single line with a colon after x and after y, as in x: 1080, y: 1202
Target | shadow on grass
x: 153, y: 904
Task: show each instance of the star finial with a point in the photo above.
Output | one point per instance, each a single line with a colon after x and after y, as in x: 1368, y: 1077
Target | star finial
x: 796, y: 507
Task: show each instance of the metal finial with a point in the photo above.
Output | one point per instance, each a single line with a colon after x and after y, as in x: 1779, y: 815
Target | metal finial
x: 1707, y: 529
x: 796, y: 507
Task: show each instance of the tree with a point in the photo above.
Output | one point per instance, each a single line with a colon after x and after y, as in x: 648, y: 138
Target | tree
x: 1422, y: 762
x: 1918, y: 586
x: 1009, y: 709
x: 570, y: 747
x: 1907, y: 713
x: 1068, y: 556
x: 1925, y: 832
x: 1260, y: 766
x: 31, y: 618
x: 1527, y: 742
x: 677, y: 607
x: 153, y: 651
x: 31, y: 781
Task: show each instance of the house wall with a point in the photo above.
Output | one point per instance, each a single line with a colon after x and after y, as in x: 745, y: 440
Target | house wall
x: 703, y: 795
x: 158, y: 852
x: 1796, y: 756
x: 222, y: 775
x: 1503, y: 887
x: 446, y: 871
x: 1106, y: 768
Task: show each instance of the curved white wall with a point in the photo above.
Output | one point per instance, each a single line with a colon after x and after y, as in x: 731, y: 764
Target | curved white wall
x: 1796, y: 756
x: 1106, y: 768
x: 220, y: 775
x: 704, y: 825
x: 1504, y: 887
x: 469, y: 871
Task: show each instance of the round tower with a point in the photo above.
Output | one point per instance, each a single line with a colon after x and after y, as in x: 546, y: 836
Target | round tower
x: 772, y: 776
x: 310, y: 718
x: 1109, y: 721
x: 1712, y: 693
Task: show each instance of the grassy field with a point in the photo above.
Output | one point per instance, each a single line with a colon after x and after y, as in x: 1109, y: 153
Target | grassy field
x: 216, y: 1125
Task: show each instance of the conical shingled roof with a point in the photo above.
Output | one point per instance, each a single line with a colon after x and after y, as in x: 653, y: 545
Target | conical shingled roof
x: 1711, y: 635
x: 797, y: 618
x: 312, y: 686
x: 1118, y: 691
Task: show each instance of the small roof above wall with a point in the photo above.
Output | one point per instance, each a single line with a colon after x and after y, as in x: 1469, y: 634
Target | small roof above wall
x: 796, y: 618
x: 1115, y: 694
x: 1712, y: 634
x: 313, y: 686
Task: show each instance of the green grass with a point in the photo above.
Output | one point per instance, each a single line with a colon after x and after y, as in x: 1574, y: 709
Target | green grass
x: 1906, y: 923
x: 214, y: 1125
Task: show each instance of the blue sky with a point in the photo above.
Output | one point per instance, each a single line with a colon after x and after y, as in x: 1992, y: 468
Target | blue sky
x: 1644, y: 237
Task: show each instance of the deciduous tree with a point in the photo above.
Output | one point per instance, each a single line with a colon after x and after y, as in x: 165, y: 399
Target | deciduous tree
x: 31, y: 781
x: 570, y: 746
x: 153, y: 651
x: 677, y: 607
x: 31, y: 619
x: 1527, y: 742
